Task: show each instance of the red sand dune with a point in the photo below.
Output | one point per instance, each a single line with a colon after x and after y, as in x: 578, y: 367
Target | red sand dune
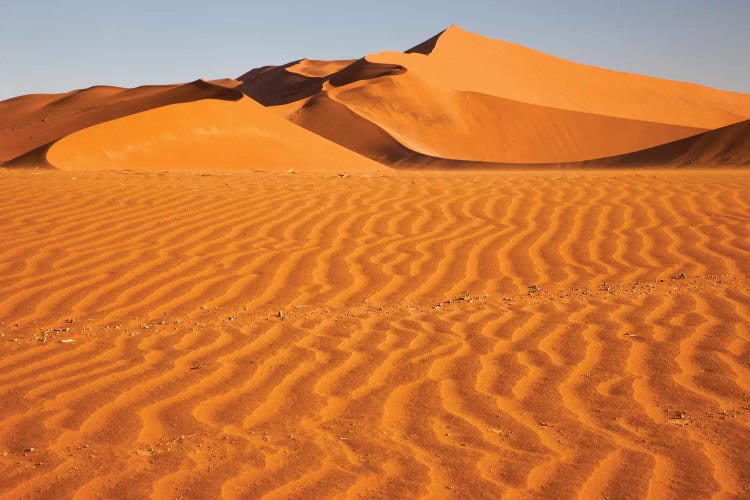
x: 460, y: 96
x: 469, y: 126
x: 728, y: 145
x: 205, y: 134
x: 32, y: 121
x: 465, y: 61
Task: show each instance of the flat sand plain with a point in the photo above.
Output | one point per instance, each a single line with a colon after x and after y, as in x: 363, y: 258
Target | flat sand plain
x: 400, y: 334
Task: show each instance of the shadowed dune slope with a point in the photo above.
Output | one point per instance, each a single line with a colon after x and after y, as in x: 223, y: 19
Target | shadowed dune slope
x: 413, y: 334
x: 276, y: 85
x: 29, y: 122
x: 725, y: 146
x: 298, y: 80
x: 463, y: 97
x: 208, y: 134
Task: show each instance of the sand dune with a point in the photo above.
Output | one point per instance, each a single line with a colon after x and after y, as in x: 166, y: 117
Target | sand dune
x: 462, y: 60
x: 208, y: 134
x: 34, y: 121
x: 441, y: 334
x: 476, y: 127
x: 466, y: 98
x: 727, y: 146
x: 456, y: 100
x: 197, y: 126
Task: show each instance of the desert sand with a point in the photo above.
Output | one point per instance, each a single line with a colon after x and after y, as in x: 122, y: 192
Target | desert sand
x: 436, y: 334
x: 235, y: 289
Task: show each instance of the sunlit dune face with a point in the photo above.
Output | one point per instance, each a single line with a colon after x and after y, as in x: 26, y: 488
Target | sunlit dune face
x: 203, y: 135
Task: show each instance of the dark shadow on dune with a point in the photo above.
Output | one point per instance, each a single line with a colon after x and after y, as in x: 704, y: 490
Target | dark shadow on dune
x: 728, y: 145
x: 276, y: 85
x: 362, y: 69
x: 427, y: 46
x: 36, y: 158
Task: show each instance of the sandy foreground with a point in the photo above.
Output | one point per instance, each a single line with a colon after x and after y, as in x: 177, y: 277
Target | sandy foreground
x: 398, y: 334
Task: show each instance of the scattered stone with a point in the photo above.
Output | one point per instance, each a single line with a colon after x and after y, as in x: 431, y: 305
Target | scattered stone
x: 680, y: 418
x: 680, y: 276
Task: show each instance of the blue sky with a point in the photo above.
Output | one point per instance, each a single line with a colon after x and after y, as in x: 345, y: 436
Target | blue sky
x: 55, y: 46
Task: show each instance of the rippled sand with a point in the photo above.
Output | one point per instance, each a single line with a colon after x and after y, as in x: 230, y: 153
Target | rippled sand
x: 453, y: 334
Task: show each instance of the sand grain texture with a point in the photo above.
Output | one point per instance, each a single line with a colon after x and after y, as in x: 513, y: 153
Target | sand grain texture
x: 466, y: 335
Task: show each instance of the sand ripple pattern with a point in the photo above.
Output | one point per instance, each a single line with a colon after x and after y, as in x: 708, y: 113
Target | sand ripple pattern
x: 470, y: 335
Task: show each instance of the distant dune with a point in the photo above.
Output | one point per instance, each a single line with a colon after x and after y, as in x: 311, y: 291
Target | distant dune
x: 33, y: 121
x: 456, y: 100
x: 207, y: 133
x: 467, y: 98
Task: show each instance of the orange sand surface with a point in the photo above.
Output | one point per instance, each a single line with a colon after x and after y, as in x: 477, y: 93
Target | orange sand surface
x: 385, y: 334
x: 228, y: 135
x: 32, y: 121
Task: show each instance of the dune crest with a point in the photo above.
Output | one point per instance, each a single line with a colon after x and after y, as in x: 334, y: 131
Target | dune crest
x: 467, y: 61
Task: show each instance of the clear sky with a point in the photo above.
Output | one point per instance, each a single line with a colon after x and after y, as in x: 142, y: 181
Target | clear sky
x: 59, y: 45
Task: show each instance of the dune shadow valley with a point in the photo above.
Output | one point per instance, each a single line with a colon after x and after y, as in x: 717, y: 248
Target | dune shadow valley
x: 464, y: 270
